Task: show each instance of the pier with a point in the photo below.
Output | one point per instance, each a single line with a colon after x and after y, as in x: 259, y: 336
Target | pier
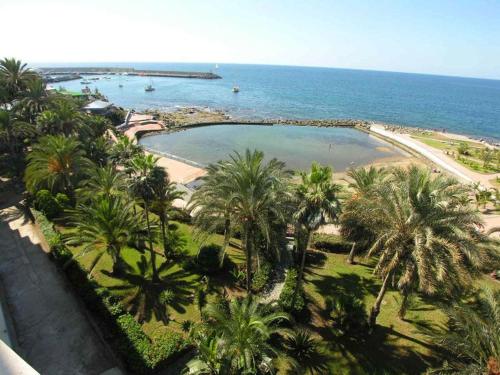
x: 82, y: 71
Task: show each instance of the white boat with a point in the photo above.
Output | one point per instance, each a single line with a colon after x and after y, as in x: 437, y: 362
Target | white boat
x: 85, y: 82
x: 149, y: 88
x: 236, y: 89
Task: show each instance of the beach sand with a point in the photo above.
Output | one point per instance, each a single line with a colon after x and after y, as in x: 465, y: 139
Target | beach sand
x: 178, y: 171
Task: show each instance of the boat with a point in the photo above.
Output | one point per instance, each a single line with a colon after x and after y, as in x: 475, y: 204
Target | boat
x: 149, y: 88
x: 85, y: 82
x: 236, y: 89
x: 120, y: 85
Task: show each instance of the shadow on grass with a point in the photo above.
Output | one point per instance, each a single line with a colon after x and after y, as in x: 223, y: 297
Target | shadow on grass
x: 142, y: 297
x: 385, y: 350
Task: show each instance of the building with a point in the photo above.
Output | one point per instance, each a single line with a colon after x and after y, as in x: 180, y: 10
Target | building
x: 98, y: 107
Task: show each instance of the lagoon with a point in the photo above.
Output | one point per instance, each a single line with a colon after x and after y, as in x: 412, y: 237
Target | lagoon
x: 298, y: 146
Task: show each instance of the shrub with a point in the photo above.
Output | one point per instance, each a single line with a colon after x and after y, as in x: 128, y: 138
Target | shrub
x: 167, y: 297
x: 261, y: 277
x: 209, y: 258
x: 330, y: 243
x: 285, y: 299
x: 46, y: 227
x: 47, y: 204
x: 348, y: 313
x: 62, y: 200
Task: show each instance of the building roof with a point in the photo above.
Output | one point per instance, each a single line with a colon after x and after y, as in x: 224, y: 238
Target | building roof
x: 98, y: 104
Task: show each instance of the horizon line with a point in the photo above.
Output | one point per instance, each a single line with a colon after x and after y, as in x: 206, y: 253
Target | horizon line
x: 261, y: 64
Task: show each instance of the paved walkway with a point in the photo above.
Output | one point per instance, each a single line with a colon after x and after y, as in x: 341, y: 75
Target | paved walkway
x: 53, y: 334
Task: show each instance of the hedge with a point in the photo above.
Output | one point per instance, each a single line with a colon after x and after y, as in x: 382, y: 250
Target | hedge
x: 261, y: 277
x: 285, y: 299
x: 140, y: 354
x: 330, y: 243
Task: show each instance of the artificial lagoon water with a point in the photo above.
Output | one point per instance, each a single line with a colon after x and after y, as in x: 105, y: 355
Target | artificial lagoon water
x: 298, y: 146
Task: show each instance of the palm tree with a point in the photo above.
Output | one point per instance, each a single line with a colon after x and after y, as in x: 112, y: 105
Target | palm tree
x: 304, y: 353
x: 210, y: 358
x: 105, y: 226
x: 124, y: 150
x: 12, y: 130
x: 245, y: 330
x: 317, y: 204
x: 57, y: 163
x: 145, y: 176
x: 103, y: 181
x: 34, y: 100
x: 425, y: 238
x: 255, y: 192
x: 364, y: 180
x: 165, y: 192
x: 209, y: 205
x: 473, y: 336
x: 68, y: 116
x: 15, y: 77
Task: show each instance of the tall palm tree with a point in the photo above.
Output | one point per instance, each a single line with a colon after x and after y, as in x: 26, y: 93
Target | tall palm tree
x: 425, y: 237
x: 68, y: 116
x: 317, y: 203
x: 105, y: 226
x: 165, y: 192
x: 34, y: 100
x: 254, y: 191
x: 103, y: 181
x: 363, y: 182
x: 210, y: 205
x: 473, y: 336
x: 146, y: 175
x: 57, y: 163
x: 246, y: 330
x: 15, y: 77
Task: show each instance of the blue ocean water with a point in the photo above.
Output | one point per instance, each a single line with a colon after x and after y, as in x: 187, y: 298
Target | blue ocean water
x: 462, y: 105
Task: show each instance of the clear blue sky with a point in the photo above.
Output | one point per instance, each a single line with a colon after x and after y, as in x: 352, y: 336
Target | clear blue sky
x: 440, y: 36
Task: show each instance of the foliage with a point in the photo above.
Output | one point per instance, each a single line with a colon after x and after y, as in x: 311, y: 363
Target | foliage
x: 286, y: 296
x: 348, y: 313
x: 48, y: 204
x: 463, y: 148
x: 304, y: 353
x: 237, y: 340
x: 209, y: 257
x: 330, y: 243
x: 56, y: 163
x: 261, y: 277
x: 472, y: 336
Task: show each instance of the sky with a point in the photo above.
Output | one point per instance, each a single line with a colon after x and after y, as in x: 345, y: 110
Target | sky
x: 448, y: 37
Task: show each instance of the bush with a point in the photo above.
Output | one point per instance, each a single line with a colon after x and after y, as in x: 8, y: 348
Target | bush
x: 209, y: 258
x: 46, y: 227
x: 45, y: 202
x: 348, y: 313
x: 330, y: 243
x: 287, y: 293
x: 261, y: 277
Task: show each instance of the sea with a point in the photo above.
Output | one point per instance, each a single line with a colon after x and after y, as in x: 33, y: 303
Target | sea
x: 467, y: 106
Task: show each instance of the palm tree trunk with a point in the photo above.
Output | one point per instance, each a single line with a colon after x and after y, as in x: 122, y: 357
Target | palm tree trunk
x: 227, y: 236
x: 164, y: 235
x: 152, y: 251
x: 248, y: 253
x: 404, y: 304
x: 352, y: 253
x: 302, y: 266
x: 376, y: 306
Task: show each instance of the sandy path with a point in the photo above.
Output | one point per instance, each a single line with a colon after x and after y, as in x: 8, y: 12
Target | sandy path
x: 178, y: 171
x: 437, y: 157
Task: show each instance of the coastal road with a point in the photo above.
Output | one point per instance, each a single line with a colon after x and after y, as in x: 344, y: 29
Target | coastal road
x: 437, y: 157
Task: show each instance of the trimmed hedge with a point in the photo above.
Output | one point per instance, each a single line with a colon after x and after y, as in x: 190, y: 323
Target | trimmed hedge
x: 286, y: 295
x: 140, y: 354
x: 330, y: 243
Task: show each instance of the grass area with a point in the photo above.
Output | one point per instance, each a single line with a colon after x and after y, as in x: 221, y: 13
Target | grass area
x: 397, y: 346
x: 473, y: 161
x: 136, y: 291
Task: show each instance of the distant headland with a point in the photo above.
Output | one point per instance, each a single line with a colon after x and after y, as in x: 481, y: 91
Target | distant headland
x: 59, y: 74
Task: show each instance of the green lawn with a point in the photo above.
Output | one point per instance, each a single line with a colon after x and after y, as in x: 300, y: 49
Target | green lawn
x: 396, y: 347
x: 472, y: 161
